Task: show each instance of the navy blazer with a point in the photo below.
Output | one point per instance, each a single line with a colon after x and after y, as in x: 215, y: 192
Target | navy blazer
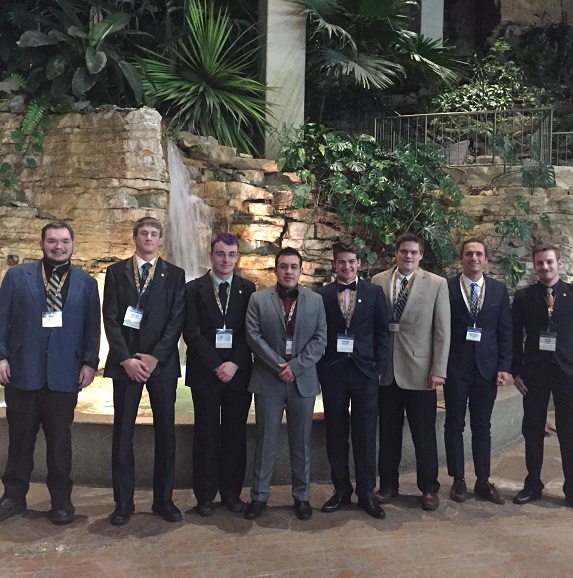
x: 202, y: 319
x: 493, y: 352
x: 369, y: 325
x: 51, y: 356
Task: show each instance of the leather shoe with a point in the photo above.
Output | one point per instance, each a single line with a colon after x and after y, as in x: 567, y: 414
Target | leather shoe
x: 335, y: 502
x: 235, y: 505
x: 10, y: 507
x: 205, y: 508
x: 458, y: 491
x: 430, y: 501
x: 62, y: 514
x: 525, y: 496
x: 487, y: 491
x: 122, y: 513
x: 254, y: 509
x: 385, y: 495
x: 372, y: 507
x: 302, y: 509
x: 167, y: 510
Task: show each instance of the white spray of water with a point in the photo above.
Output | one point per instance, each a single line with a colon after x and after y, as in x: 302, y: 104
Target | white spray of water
x: 189, y: 229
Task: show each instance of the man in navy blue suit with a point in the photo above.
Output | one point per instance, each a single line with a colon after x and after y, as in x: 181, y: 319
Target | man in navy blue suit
x: 49, y: 344
x: 479, y: 362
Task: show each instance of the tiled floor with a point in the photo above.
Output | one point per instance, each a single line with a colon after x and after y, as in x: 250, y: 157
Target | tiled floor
x: 472, y: 539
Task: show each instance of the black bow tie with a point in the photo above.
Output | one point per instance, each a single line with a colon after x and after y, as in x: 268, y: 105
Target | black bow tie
x: 351, y: 286
x: 286, y: 293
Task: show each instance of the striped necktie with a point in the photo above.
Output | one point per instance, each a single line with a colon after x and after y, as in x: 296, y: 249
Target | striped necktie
x: 400, y: 304
x: 144, y: 273
x: 474, y: 300
x: 53, y: 296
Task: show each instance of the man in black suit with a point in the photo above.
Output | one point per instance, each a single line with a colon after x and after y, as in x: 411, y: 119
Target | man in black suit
x: 218, y: 370
x: 542, y: 313
x: 479, y: 362
x: 356, y: 352
x: 143, y: 314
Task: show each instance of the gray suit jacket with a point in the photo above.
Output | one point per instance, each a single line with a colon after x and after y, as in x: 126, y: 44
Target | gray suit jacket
x: 266, y: 336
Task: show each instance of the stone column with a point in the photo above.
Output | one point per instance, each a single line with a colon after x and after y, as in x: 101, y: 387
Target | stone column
x: 432, y: 19
x: 283, y: 30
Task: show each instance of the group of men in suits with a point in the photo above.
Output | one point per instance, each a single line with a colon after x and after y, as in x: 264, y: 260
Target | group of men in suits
x: 378, y: 349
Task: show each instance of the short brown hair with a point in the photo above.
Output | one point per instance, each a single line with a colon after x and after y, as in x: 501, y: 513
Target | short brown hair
x: 151, y: 221
x: 409, y: 237
x: 542, y: 247
x: 57, y: 225
x: 474, y: 240
x: 345, y: 246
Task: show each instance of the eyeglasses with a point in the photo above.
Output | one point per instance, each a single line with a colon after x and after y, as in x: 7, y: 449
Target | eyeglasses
x: 222, y: 254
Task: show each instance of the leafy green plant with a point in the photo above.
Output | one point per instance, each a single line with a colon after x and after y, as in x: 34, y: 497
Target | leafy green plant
x: 377, y: 193
x: 203, y: 82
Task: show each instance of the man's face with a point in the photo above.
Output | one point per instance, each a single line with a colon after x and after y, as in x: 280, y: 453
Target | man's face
x: 473, y: 260
x: 408, y: 257
x: 147, y: 242
x: 288, y: 271
x: 223, y: 259
x: 346, y: 266
x: 547, y: 266
x: 57, y: 246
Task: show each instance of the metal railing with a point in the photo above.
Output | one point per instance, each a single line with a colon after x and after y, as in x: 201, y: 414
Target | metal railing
x: 476, y: 137
x: 562, y: 148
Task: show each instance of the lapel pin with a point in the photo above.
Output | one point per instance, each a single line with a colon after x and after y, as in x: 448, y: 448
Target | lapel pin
x: 240, y: 291
x: 359, y: 300
x: 163, y: 274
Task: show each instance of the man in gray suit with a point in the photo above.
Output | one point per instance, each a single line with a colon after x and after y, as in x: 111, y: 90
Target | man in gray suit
x: 286, y: 331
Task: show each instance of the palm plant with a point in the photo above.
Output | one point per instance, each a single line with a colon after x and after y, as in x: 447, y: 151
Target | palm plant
x: 203, y: 80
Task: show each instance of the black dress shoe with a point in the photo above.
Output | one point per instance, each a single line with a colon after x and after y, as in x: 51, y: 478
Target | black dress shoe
x: 235, y: 505
x: 205, y: 508
x: 62, y: 514
x: 10, y: 507
x: 385, y: 495
x: 302, y: 509
x: 122, y: 513
x: 487, y: 491
x: 525, y: 496
x: 334, y: 503
x: 372, y: 507
x: 458, y: 491
x: 167, y: 510
x: 254, y: 509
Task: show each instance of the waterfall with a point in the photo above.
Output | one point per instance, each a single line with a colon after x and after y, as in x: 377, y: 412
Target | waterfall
x: 188, y: 232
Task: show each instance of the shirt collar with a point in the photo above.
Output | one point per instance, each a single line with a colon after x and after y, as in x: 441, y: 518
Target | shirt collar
x: 399, y: 275
x: 61, y: 269
x: 468, y: 282
x: 141, y: 261
x: 353, y: 280
x: 218, y: 281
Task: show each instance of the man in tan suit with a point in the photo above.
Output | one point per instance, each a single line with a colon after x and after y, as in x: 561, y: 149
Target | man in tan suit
x: 419, y: 346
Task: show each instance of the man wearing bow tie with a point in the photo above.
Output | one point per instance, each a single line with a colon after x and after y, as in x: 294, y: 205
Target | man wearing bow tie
x: 355, y: 357
x: 143, y: 314
x: 218, y: 371
x: 543, y: 366
x: 286, y: 331
x: 419, y: 346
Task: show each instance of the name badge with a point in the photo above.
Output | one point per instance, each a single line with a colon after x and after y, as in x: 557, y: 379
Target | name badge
x: 344, y: 343
x: 133, y: 317
x: 52, y: 319
x: 547, y: 341
x: 288, y: 347
x: 473, y: 334
x: 394, y: 327
x: 224, y: 339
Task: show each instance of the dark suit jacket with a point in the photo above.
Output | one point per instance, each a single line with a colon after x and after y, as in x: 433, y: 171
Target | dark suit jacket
x: 529, y: 314
x: 493, y: 352
x: 42, y: 355
x: 161, y: 324
x: 369, y: 326
x: 202, y: 318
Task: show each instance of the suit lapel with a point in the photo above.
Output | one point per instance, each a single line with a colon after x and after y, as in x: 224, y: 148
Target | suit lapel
x: 300, y: 316
x: 75, y: 287
x: 415, y: 291
x: 563, y: 294
x: 36, y: 285
x: 208, y: 298
x: 157, y: 285
x: 129, y: 273
x: 457, y: 291
x: 276, y: 300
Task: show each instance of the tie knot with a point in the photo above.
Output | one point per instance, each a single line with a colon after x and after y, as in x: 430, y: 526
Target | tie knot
x: 351, y: 286
x: 549, y: 292
x: 223, y: 286
x: 473, y: 285
x: 404, y: 282
x: 145, y: 267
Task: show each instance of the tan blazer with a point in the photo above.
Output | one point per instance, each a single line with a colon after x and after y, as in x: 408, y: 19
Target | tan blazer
x: 422, y: 345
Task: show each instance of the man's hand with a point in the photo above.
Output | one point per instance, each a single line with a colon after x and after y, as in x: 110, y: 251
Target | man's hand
x: 87, y: 375
x: 286, y: 375
x: 136, y: 370
x: 434, y: 381
x: 518, y: 382
x: 502, y: 378
x: 226, y: 371
x: 4, y: 372
x: 149, y: 362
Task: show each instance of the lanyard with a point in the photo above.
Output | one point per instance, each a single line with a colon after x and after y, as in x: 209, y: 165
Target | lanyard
x: 290, y: 313
x: 473, y: 312
x: 218, y: 300
x: 403, y: 295
x: 142, y: 290
x: 550, y: 306
x: 60, y: 285
x: 349, y: 312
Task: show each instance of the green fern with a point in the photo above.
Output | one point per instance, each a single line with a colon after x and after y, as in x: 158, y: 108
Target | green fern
x: 34, y: 116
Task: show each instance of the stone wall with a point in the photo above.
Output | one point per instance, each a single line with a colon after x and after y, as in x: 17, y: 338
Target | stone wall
x: 536, y: 12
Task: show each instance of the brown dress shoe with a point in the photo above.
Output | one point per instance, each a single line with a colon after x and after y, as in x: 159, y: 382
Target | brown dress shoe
x: 487, y: 491
x: 430, y: 501
x: 385, y: 495
x: 458, y: 491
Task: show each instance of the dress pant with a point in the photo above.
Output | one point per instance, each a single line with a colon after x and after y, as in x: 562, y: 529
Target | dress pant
x: 351, y: 389
x: 547, y: 379
x: 25, y: 412
x: 420, y: 408
x: 219, y: 442
x: 126, y: 398
x: 269, y: 411
x: 472, y: 390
